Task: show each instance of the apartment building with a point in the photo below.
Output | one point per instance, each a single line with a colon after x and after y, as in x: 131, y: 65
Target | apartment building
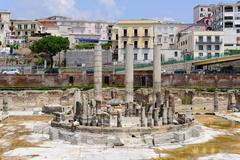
x: 226, y: 18
x: 4, y: 27
x: 201, y: 12
x: 77, y: 31
x: 24, y: 28
x: 140, y: 33
x: 202, y: 44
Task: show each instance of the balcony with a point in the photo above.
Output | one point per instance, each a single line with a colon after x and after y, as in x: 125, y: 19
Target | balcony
x: 209, y: 42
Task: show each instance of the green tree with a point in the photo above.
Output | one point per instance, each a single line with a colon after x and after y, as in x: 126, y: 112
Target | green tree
x: 49, y: 46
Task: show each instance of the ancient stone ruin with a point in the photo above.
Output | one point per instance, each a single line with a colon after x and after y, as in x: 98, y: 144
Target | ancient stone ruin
x: 137, y: 113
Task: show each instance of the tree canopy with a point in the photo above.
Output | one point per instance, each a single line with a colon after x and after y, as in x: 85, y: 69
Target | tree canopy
x: 49, y: 46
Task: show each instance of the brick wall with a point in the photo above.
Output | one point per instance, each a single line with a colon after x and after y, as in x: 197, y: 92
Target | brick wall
x: 141, y: 78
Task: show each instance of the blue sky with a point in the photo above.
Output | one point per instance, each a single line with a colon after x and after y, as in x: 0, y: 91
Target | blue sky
x: 179, y: 10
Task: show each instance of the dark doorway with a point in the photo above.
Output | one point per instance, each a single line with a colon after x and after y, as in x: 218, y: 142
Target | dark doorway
x: 143, y: 81
x: 107, y: 80
x: 71, y: 80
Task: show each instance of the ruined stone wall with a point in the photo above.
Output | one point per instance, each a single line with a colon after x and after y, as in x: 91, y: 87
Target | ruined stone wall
x: 30, y: 100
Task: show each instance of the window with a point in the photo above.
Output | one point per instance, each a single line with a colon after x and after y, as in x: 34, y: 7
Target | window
x: 25, y: 26
x: 19, y: 26
x: 217, y: 55
x: 135, y: 32
x: 209, y: 38
x: 209, y: 55
x: 200, y: 38
x: 135, y: 57
x: 125, y: 44
x: 33, y: 26
x: 228, y: 9
x: 201, y: 15
x: 146, y: 44
x: 175, y: 54
x: 125, y: 32
x: 217, y: 39
x: 145, y: 56
x: 26, y: 33
x: 228, y: 24
x: 19, y: 33
x: 165, y: 39
x: 217, y: 47
x: 200, y: 47
x: 228, y: 18
x: 146, y: 32
x: 200, y: 54
x: 201, y: 9
x: 116, y: 36
x: 135, y: 44
x: 209, y: 47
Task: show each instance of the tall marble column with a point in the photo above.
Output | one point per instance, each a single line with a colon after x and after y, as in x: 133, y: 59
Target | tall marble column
x: 129, y: 74
x: 98, y: 72
x: 157, y: 76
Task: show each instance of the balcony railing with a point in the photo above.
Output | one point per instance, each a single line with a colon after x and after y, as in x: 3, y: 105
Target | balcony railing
x: 209, y: 42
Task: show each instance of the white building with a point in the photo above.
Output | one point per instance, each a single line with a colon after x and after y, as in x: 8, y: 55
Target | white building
x: 201, y: 11
x: 226, y: 17
x: 78, y: 31
x: 202, y: 44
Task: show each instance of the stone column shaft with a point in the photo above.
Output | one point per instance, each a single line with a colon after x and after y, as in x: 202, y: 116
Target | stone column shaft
x: 143, y: 117
x: 129, y: 72
x: 157, y: 76
x: 98, y: 72
x: 119, y: 119
x: 215, y: 102
x: 230, y: 101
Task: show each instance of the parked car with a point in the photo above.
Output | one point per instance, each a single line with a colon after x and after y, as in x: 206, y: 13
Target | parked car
x: 10, y: 71
x: 198, y: 71
x: 163, y: 71
x: 180, y: 71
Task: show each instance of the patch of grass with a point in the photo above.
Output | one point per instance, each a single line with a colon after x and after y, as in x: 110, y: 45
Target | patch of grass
x: 199, y: 89
x: 185, y: 100
x: 211, y: 90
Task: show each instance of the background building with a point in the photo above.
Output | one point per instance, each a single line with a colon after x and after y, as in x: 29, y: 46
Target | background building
x: 226, y: 17
x: 201, y: 11
x: 202, y: 44
x: 82, y: 58
x: 77, y: 31
x: 140, y: 33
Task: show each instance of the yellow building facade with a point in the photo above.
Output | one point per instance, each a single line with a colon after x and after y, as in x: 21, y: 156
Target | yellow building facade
x: 140, y: 33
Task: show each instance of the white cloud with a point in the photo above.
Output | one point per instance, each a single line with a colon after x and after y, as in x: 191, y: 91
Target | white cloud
x: 30, y: 9
x: 111, y: 8
x: 65, y: 8
x: 168, y: 19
